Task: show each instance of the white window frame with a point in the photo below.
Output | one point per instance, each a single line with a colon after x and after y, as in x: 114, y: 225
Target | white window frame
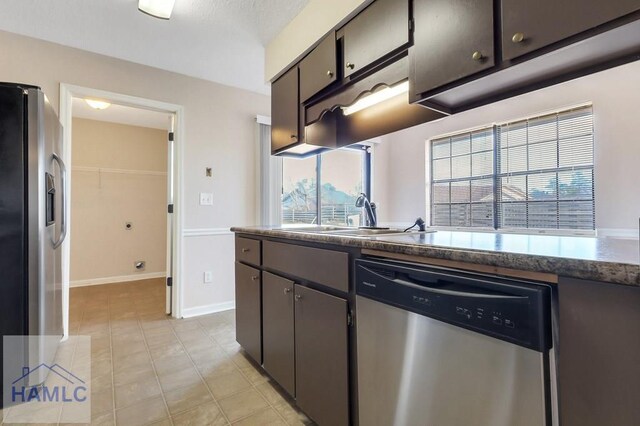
x: 528, y: 231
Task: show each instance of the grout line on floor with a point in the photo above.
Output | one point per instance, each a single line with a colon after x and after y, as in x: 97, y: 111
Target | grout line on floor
x: 193, y: 364
x: 218, y: 331
x: 153, y: 366
x: 113, y: 384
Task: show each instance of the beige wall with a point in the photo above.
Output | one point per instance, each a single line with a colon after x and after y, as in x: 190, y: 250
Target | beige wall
x: 615, y: 94
x: 104, y: 201
x: 219, y: 132
x: 314, y: 21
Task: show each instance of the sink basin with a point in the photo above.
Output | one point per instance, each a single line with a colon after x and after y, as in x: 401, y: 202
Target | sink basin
x: 316, y: 229
x: 365, y: 232
x: 351, y: 232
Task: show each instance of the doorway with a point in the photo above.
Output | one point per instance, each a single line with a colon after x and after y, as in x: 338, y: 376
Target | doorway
x: 114, y: 176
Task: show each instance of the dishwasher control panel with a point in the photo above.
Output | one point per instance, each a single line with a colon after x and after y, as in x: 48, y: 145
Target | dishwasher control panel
x: 511, y: 310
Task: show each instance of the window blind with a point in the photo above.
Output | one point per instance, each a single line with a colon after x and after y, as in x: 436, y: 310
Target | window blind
x: 535, y: 173
x: 462, y: 176
x: 545, y: 171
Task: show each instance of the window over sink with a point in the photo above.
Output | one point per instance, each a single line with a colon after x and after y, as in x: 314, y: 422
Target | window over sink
x: 534, y: 174
x: 343, y: 174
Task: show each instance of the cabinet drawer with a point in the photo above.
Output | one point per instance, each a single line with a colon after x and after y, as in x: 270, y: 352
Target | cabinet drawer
x: 248, y: 251
x: 326, y: 267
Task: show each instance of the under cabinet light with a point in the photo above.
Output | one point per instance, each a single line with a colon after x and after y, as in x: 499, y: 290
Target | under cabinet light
x: 303, y: 148
x: 95, y: 104
x: 158, y: 8
x: 377, y: 97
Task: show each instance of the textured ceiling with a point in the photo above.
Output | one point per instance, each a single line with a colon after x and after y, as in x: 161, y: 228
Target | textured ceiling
x: 217, y: 40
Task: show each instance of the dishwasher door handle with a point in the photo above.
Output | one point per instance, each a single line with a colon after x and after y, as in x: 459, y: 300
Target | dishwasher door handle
x: 460, y: 293
x: 423, y: 286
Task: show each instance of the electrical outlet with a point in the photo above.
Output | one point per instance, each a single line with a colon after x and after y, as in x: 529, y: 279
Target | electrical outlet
x: 208, y: 277
x: 206, y: 199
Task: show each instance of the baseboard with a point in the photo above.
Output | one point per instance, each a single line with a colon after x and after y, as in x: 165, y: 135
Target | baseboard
x: 208, y: 309
x: 120, y: 279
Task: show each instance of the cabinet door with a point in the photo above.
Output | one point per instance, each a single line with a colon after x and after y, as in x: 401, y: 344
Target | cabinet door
x: 376, y: 31
x: 284, y: 110
x: 529, y: 25
x: 322, y: 373
x: 248, y: 311
x: 452, y: 39
x: 599, y: 374
x: 318, y: 69
x: 277, y: 333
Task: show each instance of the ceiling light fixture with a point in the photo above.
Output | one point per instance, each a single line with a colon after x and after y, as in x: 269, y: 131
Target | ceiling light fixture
x: 157, y: 8
x: 377, y: 97
x: 95, y: 104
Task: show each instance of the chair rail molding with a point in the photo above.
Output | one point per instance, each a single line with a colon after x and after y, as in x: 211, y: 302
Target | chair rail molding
x: 205, y: 232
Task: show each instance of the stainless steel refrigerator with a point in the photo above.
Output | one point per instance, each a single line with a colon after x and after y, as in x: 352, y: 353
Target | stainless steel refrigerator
x: 32, y: 217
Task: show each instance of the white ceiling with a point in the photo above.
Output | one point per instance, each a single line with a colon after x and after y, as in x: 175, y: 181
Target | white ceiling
x: 217, y: 40
x: 122, y: 115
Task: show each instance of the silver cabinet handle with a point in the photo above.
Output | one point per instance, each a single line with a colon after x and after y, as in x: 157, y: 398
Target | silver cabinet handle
x: 245, y: 250
x: 287, y: 290
x: 255, y: 278
x: 298, y: 297
x: 63, y: 209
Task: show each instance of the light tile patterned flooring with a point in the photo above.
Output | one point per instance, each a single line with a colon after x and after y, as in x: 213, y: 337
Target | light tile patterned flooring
x: 148, y: 368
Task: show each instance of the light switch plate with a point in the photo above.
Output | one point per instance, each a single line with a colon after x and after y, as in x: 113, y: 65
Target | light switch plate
x: 206, y: 199
x: 208, y: 277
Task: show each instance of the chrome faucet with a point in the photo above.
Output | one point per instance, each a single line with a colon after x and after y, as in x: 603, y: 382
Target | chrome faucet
x: 370, y: 217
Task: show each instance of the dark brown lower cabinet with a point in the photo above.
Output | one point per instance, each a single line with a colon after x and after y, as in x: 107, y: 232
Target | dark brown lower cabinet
x: 248, y: 310
x: 598, y: 365
x: 321, y: 347
x: 278, y: 330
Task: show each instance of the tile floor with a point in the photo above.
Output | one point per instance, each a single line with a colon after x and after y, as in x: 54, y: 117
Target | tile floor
x: 148, y: 368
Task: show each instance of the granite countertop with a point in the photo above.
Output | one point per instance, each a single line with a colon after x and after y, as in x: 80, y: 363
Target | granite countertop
x: 611, y: 260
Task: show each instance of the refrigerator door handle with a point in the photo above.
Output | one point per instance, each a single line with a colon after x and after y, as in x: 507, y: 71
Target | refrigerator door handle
x: 63, y: 201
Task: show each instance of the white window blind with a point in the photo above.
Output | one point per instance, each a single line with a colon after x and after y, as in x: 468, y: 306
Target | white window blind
x: 545, y: 172
x: 462, y: 190
x: 535, y: 173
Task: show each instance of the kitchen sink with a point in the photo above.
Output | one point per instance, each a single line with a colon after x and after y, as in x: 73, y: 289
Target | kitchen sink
x: 316, y: 229
x: 363, y: 232
x: 350, y: 232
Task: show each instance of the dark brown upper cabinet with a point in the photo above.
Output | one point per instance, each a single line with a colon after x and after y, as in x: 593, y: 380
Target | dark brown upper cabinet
x: 380, y: 29
x: 530, y: 25
x: 453, y: 39
x: 285, y: 105
x: 319, y: 68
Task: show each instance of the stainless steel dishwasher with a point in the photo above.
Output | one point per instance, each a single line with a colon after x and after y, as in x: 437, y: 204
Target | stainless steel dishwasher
x: 437, y: 347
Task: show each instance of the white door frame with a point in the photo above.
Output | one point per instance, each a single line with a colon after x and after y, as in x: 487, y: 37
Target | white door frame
x: 67, y: 93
